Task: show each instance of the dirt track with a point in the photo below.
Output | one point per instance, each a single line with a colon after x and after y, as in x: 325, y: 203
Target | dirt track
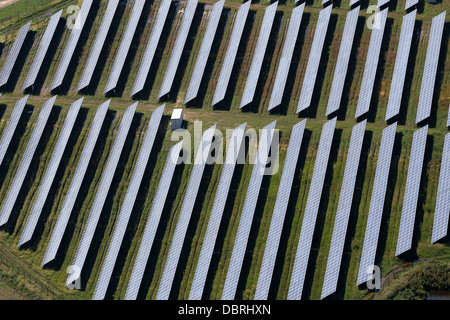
x: 4, y: 3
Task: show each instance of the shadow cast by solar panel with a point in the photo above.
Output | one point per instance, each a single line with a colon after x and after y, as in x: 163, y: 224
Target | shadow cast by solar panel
x: 136, y: 213
x: 2, y: 112
x: 287, y: 230
x: 10, y: 226
x: 307, y: 2
x: 58, y: 179
x: 412, y: 8
x: 320, y: 222
x: 2, y: 46
x: 79, y: 205
x: 392, y: 5
x: 420, y: 6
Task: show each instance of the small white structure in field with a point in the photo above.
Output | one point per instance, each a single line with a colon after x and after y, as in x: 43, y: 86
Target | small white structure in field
x: 176, y: 121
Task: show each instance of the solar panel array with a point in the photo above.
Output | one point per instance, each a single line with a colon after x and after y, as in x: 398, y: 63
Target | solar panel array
x: 11, y: 126
x: 352, y: 2
x: 102, y: 191
x: 410, y: 199
x: 448, y: 117
x: 315, y: 54
x: 279, y: 212
x: 185, y: 215
x: 430, y: 68
x: 245, y: 223
x: 381, y: 3
x: 21, y: 172
x: 75, y: 185
x: 128, y: 204
x: 177, y: 50
x: 311, y: 211
x: 343, y: 210
x: 410, y: 3
x: 71, y: 44
x: 151, y: 46
x: 377, y: 203
x: 42, y: 50
x: 258, y: 55
x: 13, y: 54
x: 230, y: 55
x: 286, y: 57
x: 442, y: 211
x: 337, y: 87
x: 97, y: 47
x: 401, y: 63
x: 215, y: 217
x: 370, y: 69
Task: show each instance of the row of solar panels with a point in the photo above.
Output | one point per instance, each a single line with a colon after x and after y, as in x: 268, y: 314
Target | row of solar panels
x: 334, y: 101
x: 405, y: 235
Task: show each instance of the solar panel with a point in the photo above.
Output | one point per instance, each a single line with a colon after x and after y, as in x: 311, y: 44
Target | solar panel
x: 215, y: 217
x: 430, y: 68
x: 185, y: 215
x: 245, y: 223
x: 352, y: 2
x: 205, y: 49
x: 279, y: 212
x: 75, y: 185
x: 370, y: 69
x: 343, y: 210
x: 382, y: 3
x: 311, y: 211
x: 151, y: 46
x: 286, y: 57
x: 102, y: 191
x: 230, y: 55
x: 401, y: 62
x: 98, y: 45
x: 177, y: 50
x: 258, y: 55
x: 127, y: 205
x: 410, y: 199
x: 71, y: 44
x: 125, y: 45
x: 410, y: 3
x: 11, y: 126
x: 448, y: 117
x: 50, y: 173
x: 21, y: 172
x: 13, y: 54
x: 42, y: 50
x: 377, y: 203
x: 309, y: 79
x: 441, y: 213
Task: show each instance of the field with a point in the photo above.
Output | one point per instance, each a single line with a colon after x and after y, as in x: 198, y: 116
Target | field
x: 49, y: 281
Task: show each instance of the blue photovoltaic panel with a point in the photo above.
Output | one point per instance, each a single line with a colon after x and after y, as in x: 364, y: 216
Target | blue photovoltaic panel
x: 279, y: 212
x: 370, y: 69
x: 185, y: 215
x: 75, y: 185
x: 442, y: 211
x: 286, y: 57
x: 258, y: 55
x: 125, y: 45
x: 177, y: 50
x: 377, y: 204
x: 151, y: 46
x: 50, y: 173
x: 409, y: 209
x: 98, y: 45
x: 42, y: 50
x: 401, y: 62
x: 382, y: 3
x: 21, y: 172
x: 352, y: 2
x: 311, y: 211
x: 343, y: 210
x: 13, y: 54
x: 205, y: 49
x: 337, y: 87
x: 410, y: 3
x: 245, y: 223
x: 152, y: 223
x: 230, y: 55
x: 11, y: 126
x: 309, y: 79
x: 71, y: 44
x: 430, y: 68
x: 448, y: 117
x: 215, y: 218
x: 102, y: 191
x: 127, y: 205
